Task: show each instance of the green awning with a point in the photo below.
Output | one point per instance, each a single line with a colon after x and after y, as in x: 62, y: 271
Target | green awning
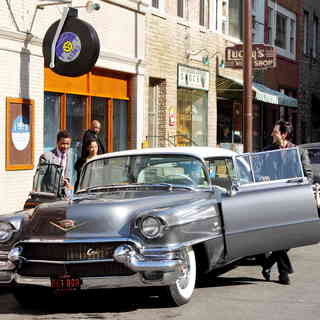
x: 262, y: 93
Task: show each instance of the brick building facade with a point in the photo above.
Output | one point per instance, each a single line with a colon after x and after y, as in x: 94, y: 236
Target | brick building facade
x: 309, y: 72
x: 176, y: 39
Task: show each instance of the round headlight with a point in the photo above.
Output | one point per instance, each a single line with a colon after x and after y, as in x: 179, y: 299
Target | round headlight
x: 6, y: 230
x: 151, y: 227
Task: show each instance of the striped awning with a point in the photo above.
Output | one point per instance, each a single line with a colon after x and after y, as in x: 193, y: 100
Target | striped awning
x: 262, y: 92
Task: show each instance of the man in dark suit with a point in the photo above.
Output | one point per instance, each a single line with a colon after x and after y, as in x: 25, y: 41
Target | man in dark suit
x: 93, y: 134
x: 281, y: 136
x: 60, y: 156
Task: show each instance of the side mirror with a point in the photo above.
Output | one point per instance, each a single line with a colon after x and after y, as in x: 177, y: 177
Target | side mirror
x: 235, y: 187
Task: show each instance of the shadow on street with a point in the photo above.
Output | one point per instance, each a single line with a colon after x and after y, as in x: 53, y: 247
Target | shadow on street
x: 110, y: 301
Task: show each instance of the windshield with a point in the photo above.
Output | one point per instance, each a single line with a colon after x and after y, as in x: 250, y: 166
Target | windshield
x: 269, y: 166
x: 145, y: 169
x: 47, y: 178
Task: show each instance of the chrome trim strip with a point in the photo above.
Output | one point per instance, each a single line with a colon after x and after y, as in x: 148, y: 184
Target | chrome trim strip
x: 84, y: 240
x: 68, y: 262
x: 274, y: 226
x: 135, y: 280
x: 7, y: 266
x: 11, y: 277
x: 179, y: 246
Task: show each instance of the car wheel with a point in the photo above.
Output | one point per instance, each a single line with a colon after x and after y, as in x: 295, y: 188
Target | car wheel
x: 181, y: 292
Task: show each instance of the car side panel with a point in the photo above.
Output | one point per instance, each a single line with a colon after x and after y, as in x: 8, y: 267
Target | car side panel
x: 266, y: 218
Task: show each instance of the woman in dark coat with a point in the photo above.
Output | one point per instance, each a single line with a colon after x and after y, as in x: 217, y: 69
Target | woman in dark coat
x: 91, y: 150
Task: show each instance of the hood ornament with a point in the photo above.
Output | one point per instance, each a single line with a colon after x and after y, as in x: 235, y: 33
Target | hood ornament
x: 66, y: 224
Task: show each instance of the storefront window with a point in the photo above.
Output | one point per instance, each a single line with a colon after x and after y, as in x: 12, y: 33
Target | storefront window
x: 75, y: 124
x: 229, y: 124
x: 51, y: 119
x: 99, y: 112
x: 120, y: 125
x: 192, y: 117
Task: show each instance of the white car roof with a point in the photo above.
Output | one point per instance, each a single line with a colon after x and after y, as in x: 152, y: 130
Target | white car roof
x: 200, y: 152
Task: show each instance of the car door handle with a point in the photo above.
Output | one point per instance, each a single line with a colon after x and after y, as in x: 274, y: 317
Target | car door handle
x: 296, y: 180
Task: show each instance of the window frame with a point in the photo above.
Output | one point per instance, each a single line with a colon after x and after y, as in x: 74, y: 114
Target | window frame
x: 306, y: 18
x: 315, y: 37
x: 291, y: 22
x: 160, y: 8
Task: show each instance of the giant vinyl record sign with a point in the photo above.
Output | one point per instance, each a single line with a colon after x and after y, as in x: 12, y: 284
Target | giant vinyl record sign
x: 77, y: 48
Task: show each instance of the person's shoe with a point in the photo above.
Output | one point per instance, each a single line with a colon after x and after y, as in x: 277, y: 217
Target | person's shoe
x: 284, y: 279
x: 266, y: 274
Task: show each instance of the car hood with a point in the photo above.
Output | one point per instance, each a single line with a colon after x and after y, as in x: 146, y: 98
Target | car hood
x: 109, y: 214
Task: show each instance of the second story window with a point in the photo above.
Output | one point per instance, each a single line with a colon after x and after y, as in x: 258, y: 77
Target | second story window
x: 181, y: 8
x: 270, y: 29
x: 201, y: 13
x: 305, y: 33
x: 235, y: 18
x: 281, y: 31
x: 204, y: 13
x: 155, y: 4
x: 315, y: 37
x: 292, y: 36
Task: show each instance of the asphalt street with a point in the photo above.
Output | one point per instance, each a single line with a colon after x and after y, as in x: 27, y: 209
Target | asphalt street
x: 238, y: 294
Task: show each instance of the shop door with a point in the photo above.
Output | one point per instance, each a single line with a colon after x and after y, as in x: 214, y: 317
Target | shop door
x: 99, y: 112
x: 120, y: 125
x: 75, y: 124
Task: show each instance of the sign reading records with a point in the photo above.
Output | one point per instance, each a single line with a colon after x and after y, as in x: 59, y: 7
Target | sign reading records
x: 193, y: 78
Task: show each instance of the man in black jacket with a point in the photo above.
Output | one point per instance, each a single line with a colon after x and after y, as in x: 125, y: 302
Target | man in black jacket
x: 93, y: 134
x: 281, y: 135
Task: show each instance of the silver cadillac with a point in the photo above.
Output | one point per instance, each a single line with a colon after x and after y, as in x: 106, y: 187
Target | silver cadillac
x: 155, y: 217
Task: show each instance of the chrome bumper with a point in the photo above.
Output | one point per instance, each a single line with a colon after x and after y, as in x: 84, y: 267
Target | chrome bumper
x: 160, y: 269
x: 6, y: 268
x: 135, y: 280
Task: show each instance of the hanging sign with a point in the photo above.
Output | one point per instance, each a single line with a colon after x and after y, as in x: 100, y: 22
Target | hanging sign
x: 77, y: 48
x: 263, y: 56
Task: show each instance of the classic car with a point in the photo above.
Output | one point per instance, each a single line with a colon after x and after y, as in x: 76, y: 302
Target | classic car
x: 314, y: 155
x: 158, y: 217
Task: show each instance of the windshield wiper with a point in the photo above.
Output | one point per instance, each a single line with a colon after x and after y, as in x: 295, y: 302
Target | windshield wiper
x: 166, y: 186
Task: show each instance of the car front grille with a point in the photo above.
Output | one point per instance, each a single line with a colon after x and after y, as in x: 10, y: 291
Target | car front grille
x: 99, y: 269
x: 43, y: 253
x: 69, y: 251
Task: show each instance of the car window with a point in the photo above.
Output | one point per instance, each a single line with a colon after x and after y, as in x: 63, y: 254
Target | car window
x: 276, y: 165
x: 145, y: 169
x: 221, y: 171
x: 314, y: 155
x: 244, y: 169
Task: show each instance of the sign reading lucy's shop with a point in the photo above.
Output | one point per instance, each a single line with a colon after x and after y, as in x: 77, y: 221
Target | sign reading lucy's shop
x: 193, y: 78
x: 263, y: 56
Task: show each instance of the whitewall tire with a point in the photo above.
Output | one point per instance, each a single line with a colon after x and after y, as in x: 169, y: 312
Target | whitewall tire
x: 181, y: 292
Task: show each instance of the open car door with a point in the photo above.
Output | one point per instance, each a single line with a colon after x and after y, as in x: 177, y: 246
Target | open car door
x: 274, y: 207
x: 47, y: 185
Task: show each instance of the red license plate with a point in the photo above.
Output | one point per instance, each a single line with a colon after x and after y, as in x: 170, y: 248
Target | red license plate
x: 66, y: 283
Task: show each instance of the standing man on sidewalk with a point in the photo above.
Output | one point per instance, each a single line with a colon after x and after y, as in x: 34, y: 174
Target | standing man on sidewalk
x: 93, y: 134
x: 61, y: 156
x: 281, y: 136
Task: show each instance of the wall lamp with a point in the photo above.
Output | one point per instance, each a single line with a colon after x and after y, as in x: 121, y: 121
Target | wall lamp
x: 204, y: 58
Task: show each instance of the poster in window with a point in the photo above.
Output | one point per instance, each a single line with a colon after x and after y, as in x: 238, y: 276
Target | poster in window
x: 19, y: 134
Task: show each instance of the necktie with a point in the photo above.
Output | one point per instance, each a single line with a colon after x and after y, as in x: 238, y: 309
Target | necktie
x: 62, y: 163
